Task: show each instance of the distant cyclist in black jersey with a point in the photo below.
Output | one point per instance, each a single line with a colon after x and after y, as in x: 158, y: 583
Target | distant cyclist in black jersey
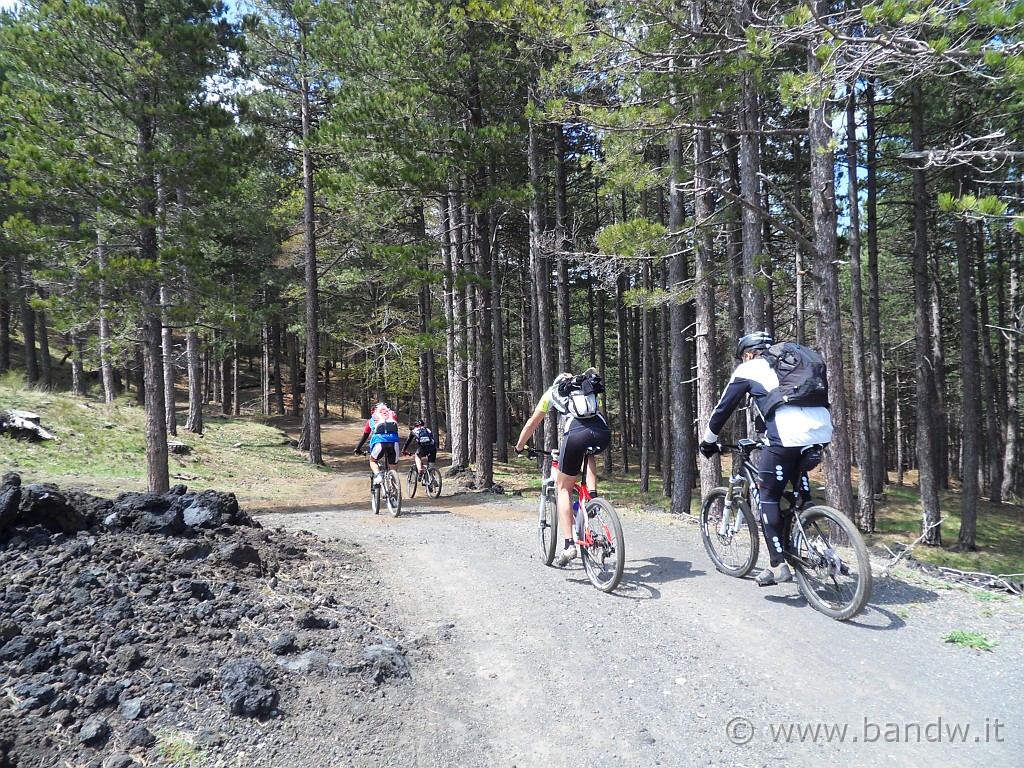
x: 791, y: 435
x: 426, y: 446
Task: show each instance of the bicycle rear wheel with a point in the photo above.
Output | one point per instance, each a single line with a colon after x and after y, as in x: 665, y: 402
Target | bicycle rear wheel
x: 547, y: 525
x: 433, y: 484
x: 392, y: 489
x: 603, y: 549
x: 832, y: 566
x: 410, y: 482
x: 733, y: 551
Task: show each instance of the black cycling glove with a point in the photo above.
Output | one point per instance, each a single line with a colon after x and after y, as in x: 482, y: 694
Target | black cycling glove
x: 708, y: 449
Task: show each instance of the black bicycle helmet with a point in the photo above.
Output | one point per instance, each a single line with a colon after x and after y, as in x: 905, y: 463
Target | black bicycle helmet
x: 419, y: 422
x: 759, y: 340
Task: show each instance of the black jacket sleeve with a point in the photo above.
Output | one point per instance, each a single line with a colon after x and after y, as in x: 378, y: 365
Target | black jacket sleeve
x: 361, y: 441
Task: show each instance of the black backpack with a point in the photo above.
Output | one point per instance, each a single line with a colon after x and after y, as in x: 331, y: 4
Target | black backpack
x: 802, y: 377
x: 425, y: 437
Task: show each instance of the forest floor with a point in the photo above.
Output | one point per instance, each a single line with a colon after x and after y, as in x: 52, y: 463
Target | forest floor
x: 439, y: 638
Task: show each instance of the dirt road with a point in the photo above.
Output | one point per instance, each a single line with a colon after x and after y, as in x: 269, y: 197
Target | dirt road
x: 517, y: 664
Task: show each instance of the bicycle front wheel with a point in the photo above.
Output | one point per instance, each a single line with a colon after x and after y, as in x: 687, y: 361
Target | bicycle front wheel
x: 433, y: 483
x: 732, y: 547
x: 392, y: 489
x: 603, y: 549
x: 410, y: 482
x: 547, y: 526
x: 375, y: 497
x: 831, y: 561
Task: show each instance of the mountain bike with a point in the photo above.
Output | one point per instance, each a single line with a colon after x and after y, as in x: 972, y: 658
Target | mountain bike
x: 429, y: 478
x: 387, y: 484
x: 823, y: 545
x: 598, y: 532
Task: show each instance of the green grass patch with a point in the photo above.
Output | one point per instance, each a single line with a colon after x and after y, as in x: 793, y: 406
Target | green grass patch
x: 101, y: 447
x: 970, y: 640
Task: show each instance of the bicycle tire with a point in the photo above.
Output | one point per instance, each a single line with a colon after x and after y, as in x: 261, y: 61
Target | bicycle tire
x: 603, y: 549
x: 733, y: 554
x: 410, y: 482
x: 832, y: 566
x: 374, y: 497
x: 433, y: 485
x: 393, y: 492
x: 547, y: 526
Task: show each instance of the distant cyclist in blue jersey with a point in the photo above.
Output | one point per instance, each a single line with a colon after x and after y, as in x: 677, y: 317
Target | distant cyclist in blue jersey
x: 382, y: 429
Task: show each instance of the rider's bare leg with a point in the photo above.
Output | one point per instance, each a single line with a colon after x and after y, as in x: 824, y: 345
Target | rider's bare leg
x: 592, y: 474
x: 564, y: 485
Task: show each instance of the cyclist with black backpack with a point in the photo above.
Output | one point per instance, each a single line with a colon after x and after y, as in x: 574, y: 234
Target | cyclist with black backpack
x: 575, y: 399
x: 426, y: 446
x: 787, y: 386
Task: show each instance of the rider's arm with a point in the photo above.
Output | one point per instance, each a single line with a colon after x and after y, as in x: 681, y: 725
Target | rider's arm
x: 408, y: 442
x: 361, y: 441
x: 731, y: 398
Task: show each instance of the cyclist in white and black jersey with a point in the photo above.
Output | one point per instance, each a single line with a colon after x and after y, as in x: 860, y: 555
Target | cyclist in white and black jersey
x: 580, y: 434
x: 791, y: 435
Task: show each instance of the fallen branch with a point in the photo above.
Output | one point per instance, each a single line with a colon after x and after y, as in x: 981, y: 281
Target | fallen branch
x: 896, y: 558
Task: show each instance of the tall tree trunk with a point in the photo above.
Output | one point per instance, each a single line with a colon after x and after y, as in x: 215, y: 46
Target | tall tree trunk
x: 750, y: 188
x: 926, y: 395
x: 236, y: 389
x: 823, y: 211
x: 156, y: 421
x: 680, y: 391
x: 45, y: 360
x: 447, y: 208
x: 167, y: 349
x: 106, y: 364
x: 310, y: 438
x: 544, y: 371
x: 1010, y: 448
x: 296, y: 365
x: 5, y: 316
x: 646, y: 380
x: 622, y: 353
x: 28, y: 322
x: 501, y: 436
x: 485, y: 418
x: 78, y: 383
x: 876, y: 422
x: 704, y: 277
x: 970, y: 383
x: 734, y: 239
x: 561, y: 223
x: 278, y: 384
x: 865, y: 457
x: 194, y: 423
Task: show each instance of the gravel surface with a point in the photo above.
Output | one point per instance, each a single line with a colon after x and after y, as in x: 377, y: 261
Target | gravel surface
x: 438, y: 638
x: 679, y: 664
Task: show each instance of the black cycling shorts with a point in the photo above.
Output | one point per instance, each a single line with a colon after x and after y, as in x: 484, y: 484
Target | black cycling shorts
x: 594, y: 434
x: 428, y: 452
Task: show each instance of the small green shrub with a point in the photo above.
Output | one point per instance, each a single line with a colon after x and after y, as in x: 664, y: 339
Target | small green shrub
x: 970, y: 640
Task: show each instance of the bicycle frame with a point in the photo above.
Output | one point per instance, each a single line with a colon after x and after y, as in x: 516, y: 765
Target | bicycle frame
x: 579, y: 488
x: 741, y: 482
